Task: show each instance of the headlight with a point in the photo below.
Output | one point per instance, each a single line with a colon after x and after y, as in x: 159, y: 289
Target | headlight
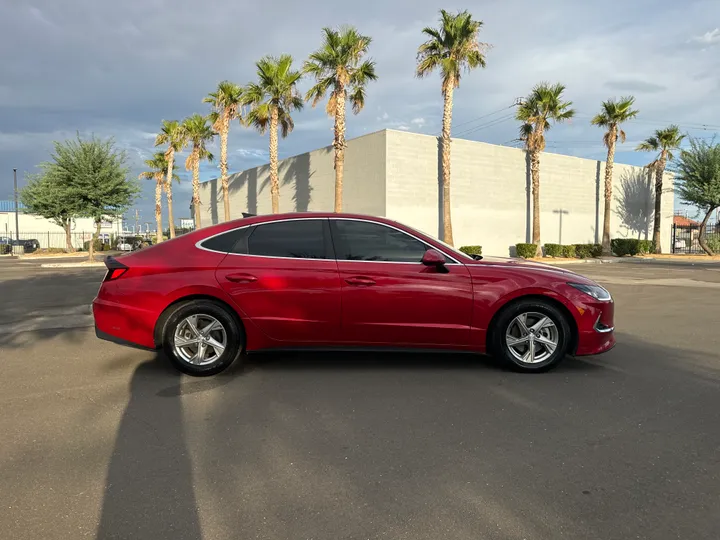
x: 595, y: 291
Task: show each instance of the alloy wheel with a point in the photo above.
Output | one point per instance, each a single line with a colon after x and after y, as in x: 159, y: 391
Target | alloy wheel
x: 532, y: 337
x: 200, y: 339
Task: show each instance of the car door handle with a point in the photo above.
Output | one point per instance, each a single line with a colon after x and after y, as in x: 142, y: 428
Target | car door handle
x: 241, y: 278
x: 360, y: 280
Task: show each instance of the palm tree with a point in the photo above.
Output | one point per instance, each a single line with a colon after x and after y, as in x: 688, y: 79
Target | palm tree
x: 451, y: 48
x: 199, y: 134
x: 613, y: 114
x: 338, y: 67
x: 663, y: 141
x: 543, y: 106
x: 272, y: 98
x: 172, y: 133
x: 158, y: 166
x: 226, y: 102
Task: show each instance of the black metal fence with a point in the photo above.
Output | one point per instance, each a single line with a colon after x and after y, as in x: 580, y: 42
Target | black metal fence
x: 685, y: 238
x: 33, y: 241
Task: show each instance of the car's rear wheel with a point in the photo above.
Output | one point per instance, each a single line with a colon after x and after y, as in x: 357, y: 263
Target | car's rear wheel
x: 202, y: 337
x: 531, y: 336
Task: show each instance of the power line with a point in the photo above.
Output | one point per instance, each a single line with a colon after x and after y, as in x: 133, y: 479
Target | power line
x: 482, y: 117
x: 491, y: 123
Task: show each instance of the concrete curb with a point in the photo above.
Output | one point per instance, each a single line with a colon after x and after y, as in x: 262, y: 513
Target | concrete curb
x: 51, y: 257
x: 552, y: 262
x: 83, y: 264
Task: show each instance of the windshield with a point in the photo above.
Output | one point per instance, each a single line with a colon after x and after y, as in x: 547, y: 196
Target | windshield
x: 451, y: 249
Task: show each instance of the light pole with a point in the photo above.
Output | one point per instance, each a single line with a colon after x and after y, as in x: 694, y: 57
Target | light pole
x: 17, y: 220
x: 561, y: 212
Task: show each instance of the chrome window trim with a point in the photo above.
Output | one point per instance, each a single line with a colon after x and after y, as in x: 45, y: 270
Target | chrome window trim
x: 198, y: 246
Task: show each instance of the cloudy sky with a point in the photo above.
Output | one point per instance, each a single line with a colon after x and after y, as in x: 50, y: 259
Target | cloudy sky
x: 117, y: 68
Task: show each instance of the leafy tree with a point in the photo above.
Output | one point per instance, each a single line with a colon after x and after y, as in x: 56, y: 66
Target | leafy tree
x: 663, y: 141
x: 612, y: 114
x: 199, y: 133
x: 172, y: 133
x: 226, y: 102
x: 452, y: 48
x: 272, y: 100
x: 99, y: 179
x: 89, y: 178
x: 45, y: 194
x: 697, y: 180
x: 339, y: 69
x: 537, y: 112
x: 158, y: 166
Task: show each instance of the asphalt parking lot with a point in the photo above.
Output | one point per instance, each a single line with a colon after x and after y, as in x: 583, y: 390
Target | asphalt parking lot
x: 100, y: 441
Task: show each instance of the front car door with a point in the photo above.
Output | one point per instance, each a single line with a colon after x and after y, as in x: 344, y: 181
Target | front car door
x: 389, y: 297
x: 284, y: 277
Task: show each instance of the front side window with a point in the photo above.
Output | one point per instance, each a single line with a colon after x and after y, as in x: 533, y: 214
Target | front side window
x: 297, y: 239
x: 365, y: 241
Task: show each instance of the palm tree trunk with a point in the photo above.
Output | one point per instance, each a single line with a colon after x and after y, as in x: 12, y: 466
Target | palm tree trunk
x: 168, y: 192
x: 224, y: 166
x: 659, y: 171
x: 339, y: 144
x: 606, y: 248
x: 702, y: 239
x: 158, y: 208
x: 274, y: 183
x: 535, y: 175
x: 196, y: 187
x: 68, y: 236
x: 445, y: 151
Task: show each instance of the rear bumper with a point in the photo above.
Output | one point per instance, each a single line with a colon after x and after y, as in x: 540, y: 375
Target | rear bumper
x: 124, y: 324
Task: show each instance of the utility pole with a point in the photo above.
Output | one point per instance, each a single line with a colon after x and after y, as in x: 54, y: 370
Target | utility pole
x: 137, y: 221
x: 17, y: 221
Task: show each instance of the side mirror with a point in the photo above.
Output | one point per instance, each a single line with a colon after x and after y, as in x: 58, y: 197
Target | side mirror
x: 432, y: 257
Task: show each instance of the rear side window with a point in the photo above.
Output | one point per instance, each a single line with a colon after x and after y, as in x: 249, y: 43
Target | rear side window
x: 232, y: 241
x: 297, y: 239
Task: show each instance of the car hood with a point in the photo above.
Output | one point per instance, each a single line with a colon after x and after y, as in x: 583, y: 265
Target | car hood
x: 533, y: 266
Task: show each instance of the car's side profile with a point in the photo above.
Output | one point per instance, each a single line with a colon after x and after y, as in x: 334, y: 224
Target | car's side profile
x: 342, y: 281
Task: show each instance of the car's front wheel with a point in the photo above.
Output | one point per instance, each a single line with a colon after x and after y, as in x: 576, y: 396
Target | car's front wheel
x: 531, y: 336
x: 202, y: 338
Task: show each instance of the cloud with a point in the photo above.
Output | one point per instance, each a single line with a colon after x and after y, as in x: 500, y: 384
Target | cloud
x: 153, y: 63
x: 708, y: 38
x: 635, y: 86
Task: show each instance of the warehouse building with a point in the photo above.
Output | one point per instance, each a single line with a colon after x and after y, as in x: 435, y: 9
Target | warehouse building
x: 395, y: 174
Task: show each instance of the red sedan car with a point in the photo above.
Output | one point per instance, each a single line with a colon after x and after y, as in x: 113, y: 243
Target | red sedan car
x: 343, y: 281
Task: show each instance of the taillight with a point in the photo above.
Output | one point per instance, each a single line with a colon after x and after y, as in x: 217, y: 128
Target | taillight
x: 115, y: 269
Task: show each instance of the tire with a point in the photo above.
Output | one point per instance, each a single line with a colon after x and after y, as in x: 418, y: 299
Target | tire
x: 202, y: 322
x: 551, y: 325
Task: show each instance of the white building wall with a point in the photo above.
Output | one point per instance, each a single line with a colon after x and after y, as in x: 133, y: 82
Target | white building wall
x: 307, y: 183
x: 49, y: 234
x: 491, y: 201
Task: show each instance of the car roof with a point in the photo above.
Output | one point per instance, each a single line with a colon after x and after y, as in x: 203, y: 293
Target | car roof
x: 306, y: 215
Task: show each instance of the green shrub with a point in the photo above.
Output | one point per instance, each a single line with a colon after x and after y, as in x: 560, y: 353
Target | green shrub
x: 713, y: 242
x: 568, y: 251
x: 645, y: 247
x: 595, y: 250
x: 553, y: 250
x: 526, y: 251
x: 625, y: 246
x: 471, y: 250
x: 583, y: 251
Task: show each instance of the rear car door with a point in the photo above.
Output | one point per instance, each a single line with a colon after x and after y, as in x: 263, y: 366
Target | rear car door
x: 284, y: 277
x: 389, y: 297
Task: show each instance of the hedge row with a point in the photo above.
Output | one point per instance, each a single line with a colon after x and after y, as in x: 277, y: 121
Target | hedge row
x: 631, y: 246
x: 471, y: 250
x: 582, y: 251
